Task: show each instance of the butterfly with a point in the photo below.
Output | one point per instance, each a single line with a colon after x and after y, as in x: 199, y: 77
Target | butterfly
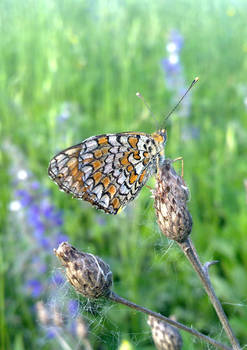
x: 109, y: 170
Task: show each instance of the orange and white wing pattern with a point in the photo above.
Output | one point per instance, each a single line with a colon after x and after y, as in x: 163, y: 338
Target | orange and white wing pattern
x: 108, y: 170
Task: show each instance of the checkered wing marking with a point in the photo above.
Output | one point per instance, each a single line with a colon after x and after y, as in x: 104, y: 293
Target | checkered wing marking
x: 106, y: 170
x: 64, y: 171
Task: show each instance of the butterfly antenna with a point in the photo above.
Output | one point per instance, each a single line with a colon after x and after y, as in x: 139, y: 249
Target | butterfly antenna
x: 181, y: 99
x: 138, y: 94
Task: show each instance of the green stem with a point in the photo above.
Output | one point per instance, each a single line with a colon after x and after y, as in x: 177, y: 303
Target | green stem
x: 191, y: 254
x: 118, y: 299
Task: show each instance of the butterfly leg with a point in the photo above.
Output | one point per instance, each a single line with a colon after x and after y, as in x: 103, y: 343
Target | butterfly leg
x: 182, y: 161
x: 149, y: 187
x: 158, y: 169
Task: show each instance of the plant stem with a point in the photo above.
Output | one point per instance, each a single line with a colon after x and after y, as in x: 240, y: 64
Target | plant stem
x: 118, y: 299
x: 64, y: 345
x: 191, y: 254
x: 87, y: 345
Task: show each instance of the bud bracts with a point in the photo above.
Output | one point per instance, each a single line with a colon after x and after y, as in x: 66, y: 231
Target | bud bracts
x: 165, y: 336
x: 171, y: 196
x: 88, y: 274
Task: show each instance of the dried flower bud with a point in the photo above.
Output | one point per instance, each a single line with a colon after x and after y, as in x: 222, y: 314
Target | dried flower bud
x: 57, y: 317
x: 88, y: 274
x: 42, y: 313
x: 81, y: 328
x: 171, y: 196
x: 165, y: 336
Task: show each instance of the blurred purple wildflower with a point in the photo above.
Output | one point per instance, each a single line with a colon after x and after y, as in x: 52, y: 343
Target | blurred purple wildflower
x: 38, y: 225
x: 58, y: 278
x: 61, y: 237
x: 47, y: 209
x: 175, y: 42
x: 73, y: 326
x: 101, y: 220
x: 171, y: 64
x: 35, y: 287
x: 73, y: 308
x: 173, y: 47
x: 189, y: 133
x: 51, y: 333
x: 175, y: 80
x: 65, y: 112
x: 39, y: 264
x: 35, y: 185
x: 24, y: 197
x: 43, y: 241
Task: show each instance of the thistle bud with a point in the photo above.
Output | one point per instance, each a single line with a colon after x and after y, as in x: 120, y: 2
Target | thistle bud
x: 81, y: 328
x: 171, y: 196
x: 165, y: 336
x: 88, y: 274
x: 57, y: 317
x: 42, y: 312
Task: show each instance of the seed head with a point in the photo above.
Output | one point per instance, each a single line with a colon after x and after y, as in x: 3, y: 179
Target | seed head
x: 88, y: 274
x: 57, y: 317
x: 81, y: 328
x: 42, y: 312
x: 165, y: 336
x: 170, y: 201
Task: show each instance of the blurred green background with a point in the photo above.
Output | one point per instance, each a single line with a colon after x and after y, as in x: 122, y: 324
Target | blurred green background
x: 69, y: 69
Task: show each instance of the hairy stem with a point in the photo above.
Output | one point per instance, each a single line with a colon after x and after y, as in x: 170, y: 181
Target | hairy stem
x: 118, y: 299
x: 64, y: 345
x: 191, y: 254
x: 87, y: 344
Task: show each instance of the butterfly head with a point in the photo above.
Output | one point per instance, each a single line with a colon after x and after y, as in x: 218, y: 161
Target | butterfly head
x: 160, y: 136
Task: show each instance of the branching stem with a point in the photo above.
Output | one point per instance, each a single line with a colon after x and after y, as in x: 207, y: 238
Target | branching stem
x: 191, y: 254
x: 120, y: 300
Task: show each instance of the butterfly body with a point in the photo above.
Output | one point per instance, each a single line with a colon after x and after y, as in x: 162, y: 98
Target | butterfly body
x: 108, y: 170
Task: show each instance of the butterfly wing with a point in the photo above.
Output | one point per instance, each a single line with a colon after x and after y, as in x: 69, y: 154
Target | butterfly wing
x: 106, y: 170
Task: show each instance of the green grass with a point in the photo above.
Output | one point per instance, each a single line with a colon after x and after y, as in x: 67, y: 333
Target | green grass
x: 96, y: 55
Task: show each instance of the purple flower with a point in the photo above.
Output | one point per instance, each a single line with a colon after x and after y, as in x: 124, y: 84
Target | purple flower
x: 25, y: 197
x: 33, y: 210
x: 35, y: 185
x: 35, y: 287
x: 189, y: 133
x: 73, y: 326
x: 61, y: 237
x: 58, y: 278
x: 47, y: 209
x: 174, y: 74
x: 42, y: 223
x: 39, y: 227
x: 44, y: 242
x: 171, y: 64
x: 175, y: 42
x: 38, y: 264
x: 51, y: 214
x: 65, y: 112
x: 100, y: 220
x: 51, y: 333
x: 63, y: 116
x: 73, y: 307
x: 58, y: 218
